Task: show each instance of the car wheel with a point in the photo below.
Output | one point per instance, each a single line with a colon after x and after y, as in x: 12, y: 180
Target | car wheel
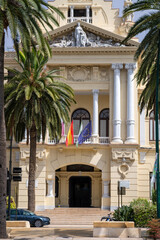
x: 38, y: 223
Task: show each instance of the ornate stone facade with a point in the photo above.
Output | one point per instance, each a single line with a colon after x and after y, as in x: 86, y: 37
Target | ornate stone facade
x: 100, y: 70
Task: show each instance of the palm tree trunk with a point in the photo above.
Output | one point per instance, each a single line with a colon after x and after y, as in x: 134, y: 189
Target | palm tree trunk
x: 3, y: 170
x: 32, y: 169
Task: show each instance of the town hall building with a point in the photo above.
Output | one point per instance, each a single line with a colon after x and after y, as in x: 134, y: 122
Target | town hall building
x: 88, y: 52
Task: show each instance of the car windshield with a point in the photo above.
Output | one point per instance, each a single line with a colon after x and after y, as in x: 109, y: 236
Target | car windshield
x: 28, y: 213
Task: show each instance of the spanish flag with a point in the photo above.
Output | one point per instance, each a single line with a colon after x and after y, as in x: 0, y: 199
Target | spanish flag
x: 70, y: 136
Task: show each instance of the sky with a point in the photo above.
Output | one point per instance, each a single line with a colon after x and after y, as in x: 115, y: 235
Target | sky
x: 115, y: 4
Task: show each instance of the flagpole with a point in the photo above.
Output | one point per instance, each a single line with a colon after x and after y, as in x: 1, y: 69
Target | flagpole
x: 157, y: 129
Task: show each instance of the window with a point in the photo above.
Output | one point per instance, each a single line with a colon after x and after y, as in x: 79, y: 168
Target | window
x: 104, y: 123
x: 152, y: 127
x: 78, y: 116
x: 80, y: 167
x: 78, y: 13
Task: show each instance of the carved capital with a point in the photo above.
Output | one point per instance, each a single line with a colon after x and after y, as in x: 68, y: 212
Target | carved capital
x: 116, y: 66
x: 95, y: 91
x: 130, y: 66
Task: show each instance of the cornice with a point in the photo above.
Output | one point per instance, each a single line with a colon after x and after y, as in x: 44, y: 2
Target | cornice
x: 95, y: 51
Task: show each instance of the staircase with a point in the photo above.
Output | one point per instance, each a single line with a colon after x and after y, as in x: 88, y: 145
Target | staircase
x: 74, y: 216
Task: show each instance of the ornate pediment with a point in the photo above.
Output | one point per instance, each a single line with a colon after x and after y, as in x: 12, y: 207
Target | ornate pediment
x: 81, y: 34
x: 81, y: 38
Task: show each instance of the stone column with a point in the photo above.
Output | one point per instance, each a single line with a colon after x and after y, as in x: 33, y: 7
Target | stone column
x: 95, y: 116
x: 130, y: 103
x: 117, y: 104
x: 87, y: 13
x: 50, y: 188
x: 71, y: 13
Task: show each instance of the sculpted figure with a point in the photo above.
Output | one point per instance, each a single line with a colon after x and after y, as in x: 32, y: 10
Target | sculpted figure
x: 80, y: 36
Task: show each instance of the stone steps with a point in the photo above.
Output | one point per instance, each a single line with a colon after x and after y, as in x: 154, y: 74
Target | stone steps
x: 74, y: 216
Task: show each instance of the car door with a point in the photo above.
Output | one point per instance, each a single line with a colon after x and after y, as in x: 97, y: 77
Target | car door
x: 13, y: 214
x: 20, y: 216
x: 27, y: 216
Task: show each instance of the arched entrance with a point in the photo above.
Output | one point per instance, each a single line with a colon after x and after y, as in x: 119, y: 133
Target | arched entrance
x: 79, y: 191
x: 79, y: 185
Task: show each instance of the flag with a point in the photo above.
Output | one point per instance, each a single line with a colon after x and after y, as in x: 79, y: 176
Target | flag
x: 70, y: 136
x: 80, y: 130
x: 62, y: 128
x: 153, y: 179
x: 86, y: 133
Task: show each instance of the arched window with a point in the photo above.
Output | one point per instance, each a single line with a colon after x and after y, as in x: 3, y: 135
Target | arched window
x: 78, y: 116
x: 104, y: 123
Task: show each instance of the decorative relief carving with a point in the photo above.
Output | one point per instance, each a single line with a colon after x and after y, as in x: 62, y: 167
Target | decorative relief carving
x: 81, y: 38
x: 82, y: 74
x: 79, y: 74
x: 123, y: 158
x: 123, y: 168
x: 123, y: 153
x: 39, y: 154
x: 104, y: 74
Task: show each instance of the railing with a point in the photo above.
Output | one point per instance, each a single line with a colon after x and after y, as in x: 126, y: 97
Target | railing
x: 101, y: 140
x: 104, y: 140
x: 84, y: 19
x: 85, y: 142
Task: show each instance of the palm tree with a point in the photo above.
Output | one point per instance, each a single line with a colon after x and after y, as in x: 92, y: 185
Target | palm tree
x: 148, y: 48
x: 36, y: 102
x: 24, y: 19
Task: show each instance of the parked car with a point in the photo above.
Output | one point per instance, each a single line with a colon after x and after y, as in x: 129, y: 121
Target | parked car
x: 25, y: 215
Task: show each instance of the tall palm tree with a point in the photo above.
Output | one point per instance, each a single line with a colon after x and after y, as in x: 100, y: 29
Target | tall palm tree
x: 24, y: 18
x: 35, y: 102
x: 148, y: 48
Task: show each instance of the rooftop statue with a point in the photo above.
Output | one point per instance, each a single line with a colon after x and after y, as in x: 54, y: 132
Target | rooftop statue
x: 80, y: 36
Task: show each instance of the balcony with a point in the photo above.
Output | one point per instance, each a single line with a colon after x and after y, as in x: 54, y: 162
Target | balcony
x: 101, y: 140
x: 84, y: 19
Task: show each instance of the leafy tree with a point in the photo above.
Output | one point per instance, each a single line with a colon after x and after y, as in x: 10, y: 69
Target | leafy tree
x: 24, y: 18
x: 148, y: 48
x: 35, y: 102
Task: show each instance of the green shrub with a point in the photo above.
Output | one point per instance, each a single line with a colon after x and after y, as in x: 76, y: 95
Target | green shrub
x: 140, y: 210
x: 124, y: 213
x: 154, y: 228
x: 141, y: 202
x: 12, y: 204
x: 143, y: 214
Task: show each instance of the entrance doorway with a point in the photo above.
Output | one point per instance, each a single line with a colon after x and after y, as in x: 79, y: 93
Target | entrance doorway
x: 79, y: 191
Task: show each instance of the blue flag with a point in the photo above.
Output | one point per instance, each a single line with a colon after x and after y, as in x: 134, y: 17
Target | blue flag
x: 86, y: 133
